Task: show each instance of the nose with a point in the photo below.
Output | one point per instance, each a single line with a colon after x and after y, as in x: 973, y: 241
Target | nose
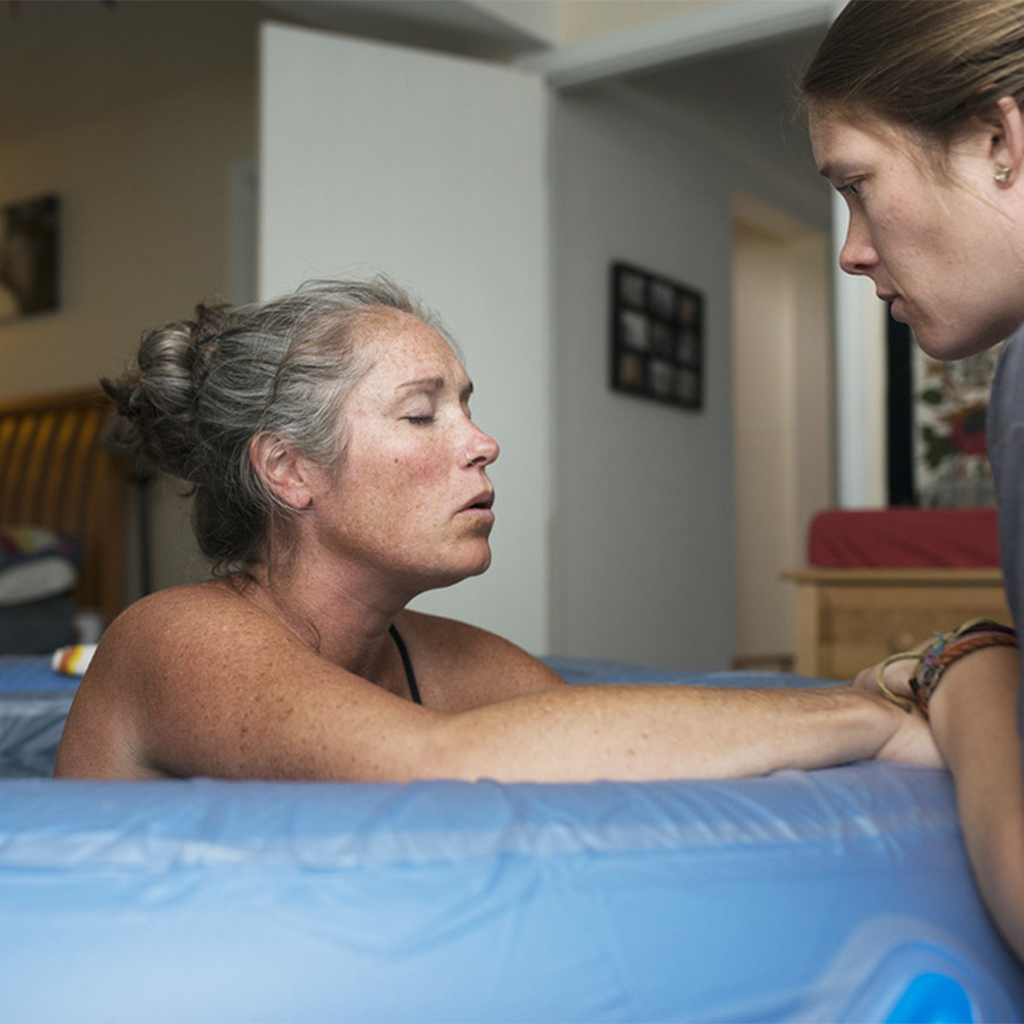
x: 481, y: 448
x: 858, y: 255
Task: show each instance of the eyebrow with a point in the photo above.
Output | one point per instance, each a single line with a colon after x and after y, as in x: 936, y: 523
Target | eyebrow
x: 432, y: 384
x: 831, y: 171
x: 836, y: 170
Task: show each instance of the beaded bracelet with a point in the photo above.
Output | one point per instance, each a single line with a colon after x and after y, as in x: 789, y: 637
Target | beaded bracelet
x: 973, y: 635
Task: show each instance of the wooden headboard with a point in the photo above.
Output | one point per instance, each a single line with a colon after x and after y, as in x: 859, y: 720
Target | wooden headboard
x: 57, y: 471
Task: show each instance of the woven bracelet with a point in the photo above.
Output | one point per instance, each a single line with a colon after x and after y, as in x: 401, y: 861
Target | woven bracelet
x: 935, y: 659
x: 949, y: 648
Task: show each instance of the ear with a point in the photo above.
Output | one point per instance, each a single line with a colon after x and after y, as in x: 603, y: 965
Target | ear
x: 288, y: 474
x: 1007, y: 138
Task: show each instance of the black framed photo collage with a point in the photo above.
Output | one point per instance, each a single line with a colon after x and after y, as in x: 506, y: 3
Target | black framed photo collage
x: 657, y: 337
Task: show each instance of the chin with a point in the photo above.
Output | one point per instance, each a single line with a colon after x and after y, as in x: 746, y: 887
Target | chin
x: 450, y: 575
x: 943, y: 352
x: 480, y: 557
x: 951, y: 341
x: 946, y: 346
x: 481, y: 566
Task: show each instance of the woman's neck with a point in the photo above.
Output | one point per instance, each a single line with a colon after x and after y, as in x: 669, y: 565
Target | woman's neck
x: 342, y: 620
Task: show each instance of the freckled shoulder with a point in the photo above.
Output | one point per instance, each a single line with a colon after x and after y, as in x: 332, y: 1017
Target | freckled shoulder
x: 152, y: 656
x: 184, y: 621
x: 200, y: 681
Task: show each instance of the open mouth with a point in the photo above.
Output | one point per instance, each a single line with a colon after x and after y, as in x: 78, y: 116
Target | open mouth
x: 482, y: 503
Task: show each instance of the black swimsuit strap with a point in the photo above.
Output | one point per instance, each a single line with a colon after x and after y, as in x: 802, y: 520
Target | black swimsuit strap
x: 414, y: 690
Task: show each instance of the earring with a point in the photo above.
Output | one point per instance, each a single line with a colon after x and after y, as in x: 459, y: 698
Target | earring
x: 1002, y: 174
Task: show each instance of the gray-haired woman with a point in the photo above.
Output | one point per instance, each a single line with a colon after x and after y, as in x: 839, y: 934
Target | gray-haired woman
x: 337, y: 475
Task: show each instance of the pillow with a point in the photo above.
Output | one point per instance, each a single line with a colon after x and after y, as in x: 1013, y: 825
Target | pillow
x: 36, y: 563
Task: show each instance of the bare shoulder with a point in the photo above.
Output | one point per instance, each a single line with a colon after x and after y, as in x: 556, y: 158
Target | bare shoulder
x: 149, y: 659
x: 198, y: 680
x: 185, y: 623
x: 459, y: 666
x: 179, y: 637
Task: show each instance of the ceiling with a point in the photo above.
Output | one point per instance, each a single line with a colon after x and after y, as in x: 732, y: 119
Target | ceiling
x: 753, y: 91
x: 64, y: 62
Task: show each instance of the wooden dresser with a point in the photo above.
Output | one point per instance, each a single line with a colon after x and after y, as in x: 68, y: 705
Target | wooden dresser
x: 848, y: 618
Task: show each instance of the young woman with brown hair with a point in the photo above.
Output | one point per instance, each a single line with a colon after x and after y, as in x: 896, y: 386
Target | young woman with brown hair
x: 915, y: 111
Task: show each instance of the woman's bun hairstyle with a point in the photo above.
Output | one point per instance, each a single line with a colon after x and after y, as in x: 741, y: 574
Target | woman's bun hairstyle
x: 157, y: 393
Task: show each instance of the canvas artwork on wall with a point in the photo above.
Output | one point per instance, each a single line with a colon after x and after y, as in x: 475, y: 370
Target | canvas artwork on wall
x: 938, y: 442
x: 29, y: 257
x: 657, y: 337
x: 950, y: 409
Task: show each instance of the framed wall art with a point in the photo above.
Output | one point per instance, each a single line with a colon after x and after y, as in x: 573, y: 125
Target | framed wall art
x: 657, y: 337
x: 29, y: 234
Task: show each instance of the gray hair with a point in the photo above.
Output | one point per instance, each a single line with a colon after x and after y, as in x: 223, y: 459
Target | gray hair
x: 200, y: 390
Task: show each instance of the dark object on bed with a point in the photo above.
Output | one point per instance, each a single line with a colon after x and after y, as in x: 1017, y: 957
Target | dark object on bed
x: 37, y: 627
x: 57, y: 474
x: 38, y: 569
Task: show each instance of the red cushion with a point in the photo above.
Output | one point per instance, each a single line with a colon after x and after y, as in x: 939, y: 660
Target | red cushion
x: 904, y: 538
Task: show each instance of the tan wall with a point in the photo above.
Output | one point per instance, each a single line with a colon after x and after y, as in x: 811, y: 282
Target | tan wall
x: 144, y: 236
x: 143, y: 232
x: 782, y: 397
x: 587, y: 19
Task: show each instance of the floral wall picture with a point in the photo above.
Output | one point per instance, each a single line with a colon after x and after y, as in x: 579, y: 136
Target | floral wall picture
x: 950, y: 442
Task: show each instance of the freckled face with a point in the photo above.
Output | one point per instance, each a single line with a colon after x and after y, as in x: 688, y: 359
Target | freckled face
x: 411, y: 499
x: 936, y: 247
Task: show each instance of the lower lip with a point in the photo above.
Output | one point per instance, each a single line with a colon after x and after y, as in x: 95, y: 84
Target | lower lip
x: 485, y: 515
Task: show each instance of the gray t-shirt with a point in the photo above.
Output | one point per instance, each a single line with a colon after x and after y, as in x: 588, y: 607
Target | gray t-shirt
x: 1006, y: 455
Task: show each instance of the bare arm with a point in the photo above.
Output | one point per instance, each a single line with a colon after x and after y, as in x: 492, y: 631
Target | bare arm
x: 973, y: 715
x: 974, y: 718
x: 648, y: 732
x: 174, y: 694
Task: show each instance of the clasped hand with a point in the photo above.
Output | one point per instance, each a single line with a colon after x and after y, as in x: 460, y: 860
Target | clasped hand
x: 912, y: 742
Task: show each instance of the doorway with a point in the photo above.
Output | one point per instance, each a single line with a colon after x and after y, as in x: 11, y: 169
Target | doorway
x: 782, y: 418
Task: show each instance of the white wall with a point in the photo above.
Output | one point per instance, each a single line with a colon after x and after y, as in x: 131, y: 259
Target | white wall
x: 644, y: 506
x: 431, y: 169
x: 644, y: 542
x: 861, y: 327
x: 638, y: 564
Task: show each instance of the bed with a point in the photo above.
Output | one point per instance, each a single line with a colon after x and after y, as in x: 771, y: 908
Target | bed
x: 837, y: 895
x: 62, y: 497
